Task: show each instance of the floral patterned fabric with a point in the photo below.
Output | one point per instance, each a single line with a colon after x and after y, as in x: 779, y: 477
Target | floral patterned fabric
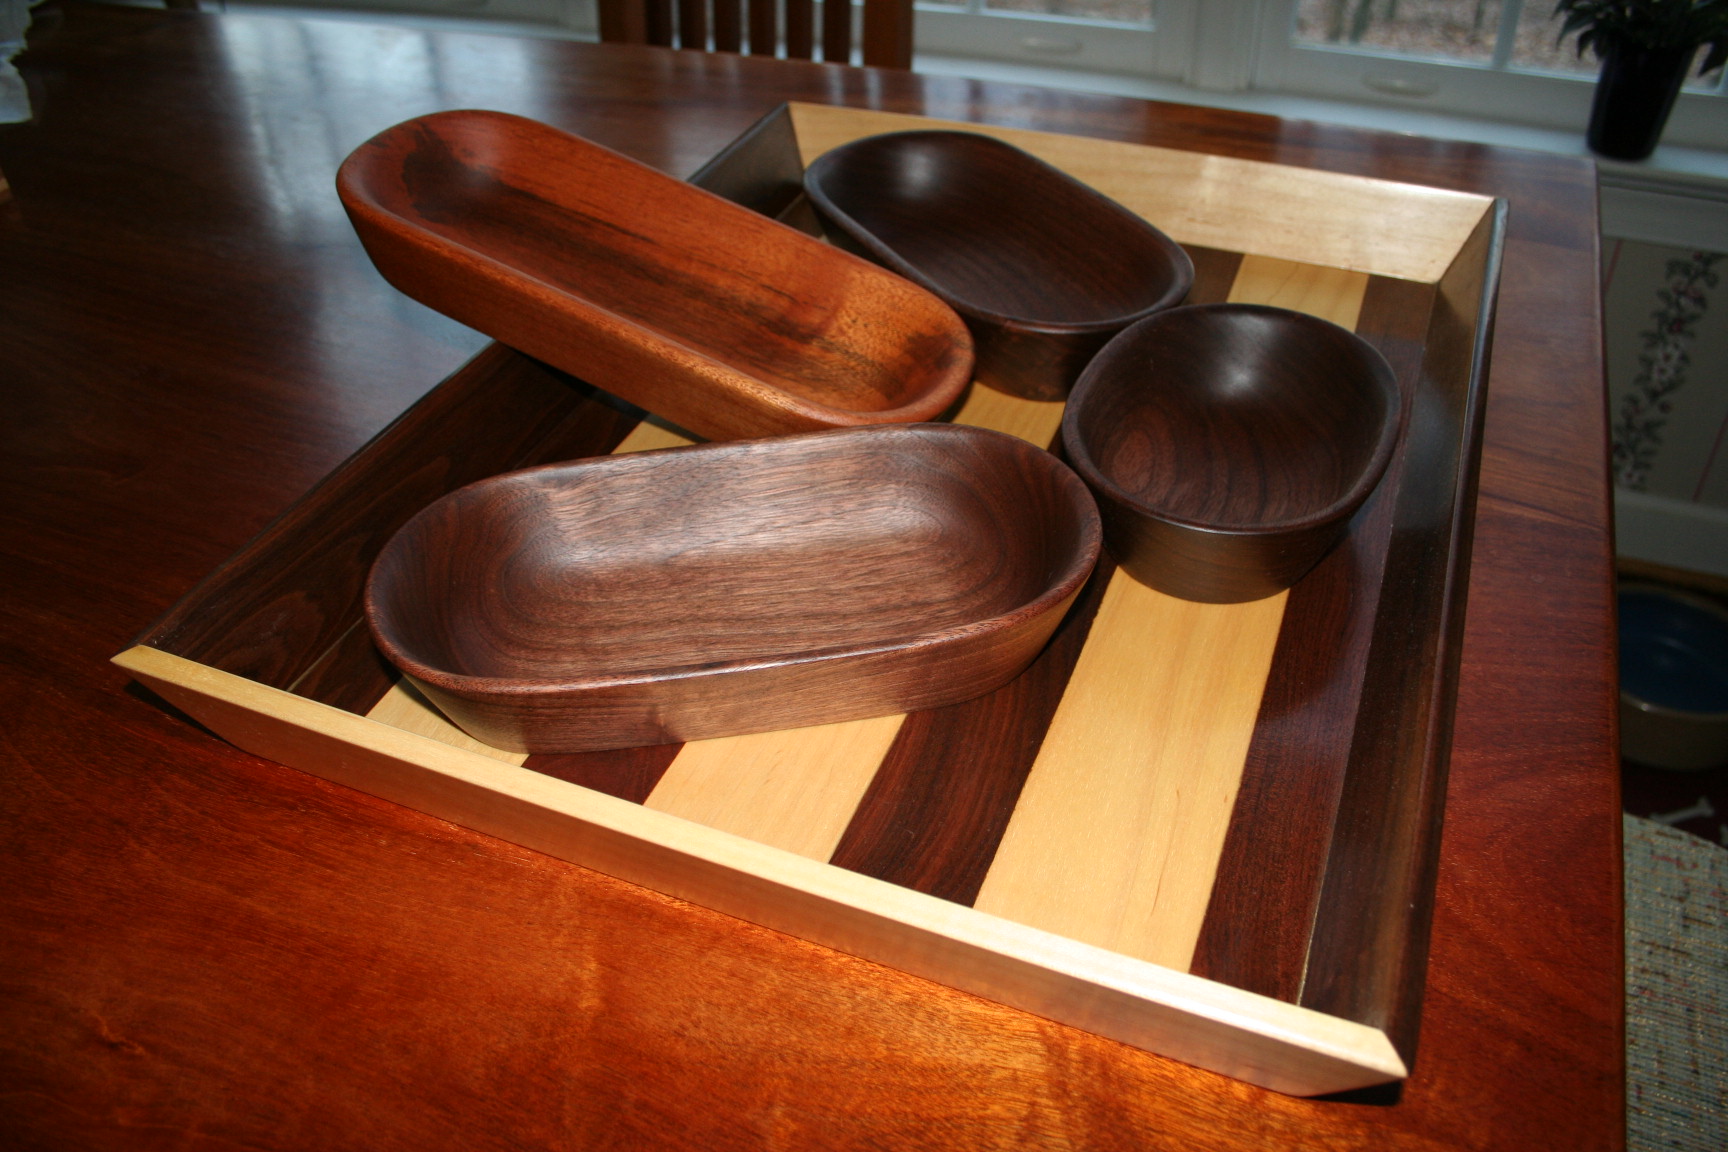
x: 1662, y: 366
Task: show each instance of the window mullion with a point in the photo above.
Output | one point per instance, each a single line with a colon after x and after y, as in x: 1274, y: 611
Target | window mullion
x: 1506, y: 39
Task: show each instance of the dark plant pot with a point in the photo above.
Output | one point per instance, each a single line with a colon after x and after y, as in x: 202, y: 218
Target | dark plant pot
x: 1636, y: 92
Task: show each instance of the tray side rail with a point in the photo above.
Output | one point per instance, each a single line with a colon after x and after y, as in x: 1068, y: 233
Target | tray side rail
x: 1253, y: 1038
x: 1368, y: 952
x: 1259, y: 921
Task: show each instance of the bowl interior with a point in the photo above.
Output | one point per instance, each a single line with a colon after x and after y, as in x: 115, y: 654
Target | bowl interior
x: 1236, y: 417
x: 996, y: 230
x: 582, y: 223
x: 726, y: 554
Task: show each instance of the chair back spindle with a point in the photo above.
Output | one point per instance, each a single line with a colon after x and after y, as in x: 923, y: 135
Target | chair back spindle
x: 762, y: 27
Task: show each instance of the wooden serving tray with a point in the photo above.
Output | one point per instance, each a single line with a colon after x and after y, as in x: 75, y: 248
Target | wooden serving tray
x: 1206, y: 830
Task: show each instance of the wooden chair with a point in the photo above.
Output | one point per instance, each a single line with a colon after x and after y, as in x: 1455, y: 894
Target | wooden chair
x: 687, y: 24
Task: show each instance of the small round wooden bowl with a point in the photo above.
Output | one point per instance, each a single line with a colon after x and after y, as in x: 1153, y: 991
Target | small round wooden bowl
x: 734, y: 587
x: 1043, y: 269
x: 1230, y: 444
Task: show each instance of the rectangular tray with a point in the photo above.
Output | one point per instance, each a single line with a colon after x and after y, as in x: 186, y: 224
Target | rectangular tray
x: 1206, y: 830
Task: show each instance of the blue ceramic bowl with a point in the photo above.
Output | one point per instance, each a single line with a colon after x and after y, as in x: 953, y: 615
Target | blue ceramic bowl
x: 1673, y: 679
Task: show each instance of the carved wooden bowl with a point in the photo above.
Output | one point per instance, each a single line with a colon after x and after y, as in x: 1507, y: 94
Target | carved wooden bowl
x: 738, y: 587
x: 1230, y: 444
x: 724, y: 322
x: 1044, y: 269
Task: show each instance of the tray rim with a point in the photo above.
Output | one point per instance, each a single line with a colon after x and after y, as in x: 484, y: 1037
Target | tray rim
x: 1266, y: 1041
x: 1278, y: 1045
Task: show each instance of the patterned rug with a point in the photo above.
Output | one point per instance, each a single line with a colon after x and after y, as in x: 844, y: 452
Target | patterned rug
x: 1676, y: 990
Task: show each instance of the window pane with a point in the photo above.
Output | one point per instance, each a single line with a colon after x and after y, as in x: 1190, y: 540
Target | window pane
x: 1117, y: 11
x: 1432, y: 29
x: 1536, y: 46
x: 1536, y: 49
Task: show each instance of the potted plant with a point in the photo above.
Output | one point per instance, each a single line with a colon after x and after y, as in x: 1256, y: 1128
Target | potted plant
x: 1645, y: 47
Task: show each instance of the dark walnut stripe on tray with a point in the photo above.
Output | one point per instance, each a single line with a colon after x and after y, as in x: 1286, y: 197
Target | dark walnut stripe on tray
x: 627, y: 773
x: 937, y: 808
x: 1264, y: 898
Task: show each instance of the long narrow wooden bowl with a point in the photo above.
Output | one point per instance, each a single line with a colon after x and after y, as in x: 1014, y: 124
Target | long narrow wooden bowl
x: 1230, y: 444
x: 724, y: 322
x: 729, y: 588
x: 1044, y: 269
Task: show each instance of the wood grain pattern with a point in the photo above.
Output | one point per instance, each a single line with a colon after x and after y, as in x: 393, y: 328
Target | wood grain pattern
x: 1166, y: 914
x: 351, y: 674
x: 949, y: 211
x: 206, y: 947
x: 276, y: 607
x: 1230, y: 444
x: 795, y: 793
x: 642, y: 772
x: 1132, y: 790
x: 781, y: 583
x: 406, y: 708
x: 627, y: 773
x: 1281, y: 1046
x: 1214, y: 201
x: 640, y: 283
x: 936, y: 811
x: 1378, y: 977
x: 1333, y: 294
x: 1259, y: 921
x: 942, y: 796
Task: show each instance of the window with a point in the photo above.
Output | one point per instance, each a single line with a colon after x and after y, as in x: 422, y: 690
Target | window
x: 1494, y: 59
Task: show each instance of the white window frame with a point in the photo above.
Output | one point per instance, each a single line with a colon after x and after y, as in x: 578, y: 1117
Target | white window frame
x: 967, y: 29
x: 1246, y: 45
x: 1361, y: 74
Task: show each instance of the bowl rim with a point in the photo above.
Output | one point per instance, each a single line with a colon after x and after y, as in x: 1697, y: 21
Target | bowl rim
x: 370, y: 209
x: 1341, y: 507
x: 1062, y: 587
x: 1182, y: 265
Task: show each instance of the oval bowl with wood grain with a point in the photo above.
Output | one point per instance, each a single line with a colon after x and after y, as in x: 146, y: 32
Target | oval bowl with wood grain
x: 734, y: 587
x: 1230, y: 444
x: 1044, y: 269
x: 722, y: 321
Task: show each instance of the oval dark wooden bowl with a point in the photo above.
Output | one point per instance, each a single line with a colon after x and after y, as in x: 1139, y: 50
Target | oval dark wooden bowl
x: 737, y: 587
x: 1044, y: 269
x: 1230, y: 444
x: 723, y: 321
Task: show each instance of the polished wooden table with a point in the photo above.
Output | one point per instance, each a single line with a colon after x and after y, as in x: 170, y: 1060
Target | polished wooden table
x: 205, y: 950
